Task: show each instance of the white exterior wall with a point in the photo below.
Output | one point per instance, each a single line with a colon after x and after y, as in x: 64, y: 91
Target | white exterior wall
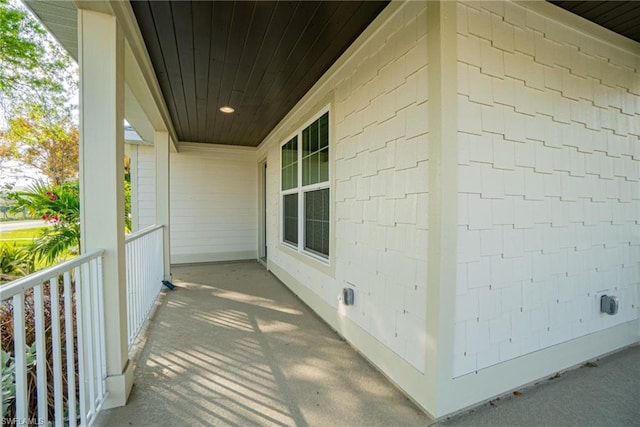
x: 380, y: 184
x: 146, y: 172
x: 549, y: 191
x: 548, y: 187
x: 213, y: 204
x: 377, y: 93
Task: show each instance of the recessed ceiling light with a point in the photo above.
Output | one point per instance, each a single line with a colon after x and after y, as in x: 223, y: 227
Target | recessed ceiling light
x: 227, y: 109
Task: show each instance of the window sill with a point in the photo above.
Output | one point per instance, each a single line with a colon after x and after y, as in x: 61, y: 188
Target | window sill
x: 321, y: 264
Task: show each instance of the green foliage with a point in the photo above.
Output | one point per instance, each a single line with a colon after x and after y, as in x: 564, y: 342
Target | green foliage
x: 55, y: 243
x: 60, y: 205
x: 15, y: 261
x: 16, y: 254
x: 43, y: 136
x: 32, y: 65
x: 18, y: 50
x: 38, y: 87
x: 8, y: 374
x: 127, y: 206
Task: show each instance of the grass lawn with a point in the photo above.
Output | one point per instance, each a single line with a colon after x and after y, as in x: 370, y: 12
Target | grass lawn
x: 22, y: 237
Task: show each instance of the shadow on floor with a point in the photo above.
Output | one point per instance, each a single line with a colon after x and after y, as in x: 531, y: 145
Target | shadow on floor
x: 232, y: 346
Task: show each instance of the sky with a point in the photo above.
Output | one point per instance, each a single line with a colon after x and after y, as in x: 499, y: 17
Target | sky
x: 19, y: 175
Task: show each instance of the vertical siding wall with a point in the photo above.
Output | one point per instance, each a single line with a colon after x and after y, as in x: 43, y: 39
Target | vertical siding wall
x: 146, y: 168
x: 549, y: 191
x: 379, y: 185
x: 213, y: 204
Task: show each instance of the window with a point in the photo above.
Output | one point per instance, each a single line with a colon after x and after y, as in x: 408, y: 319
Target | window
x: 305, y: 189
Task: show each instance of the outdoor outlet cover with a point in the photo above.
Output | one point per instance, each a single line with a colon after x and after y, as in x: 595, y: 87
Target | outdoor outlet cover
x: 348, y: 296
x: 608, y: 304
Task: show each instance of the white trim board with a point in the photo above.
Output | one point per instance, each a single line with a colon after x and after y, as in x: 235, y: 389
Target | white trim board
x: 212, y: 257
x: 477, y: 388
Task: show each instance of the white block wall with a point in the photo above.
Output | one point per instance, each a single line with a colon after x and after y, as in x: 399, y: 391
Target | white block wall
x: 379, y: 185
x: 549, y: 190
x: 213, y: 203
x: 146, y: 169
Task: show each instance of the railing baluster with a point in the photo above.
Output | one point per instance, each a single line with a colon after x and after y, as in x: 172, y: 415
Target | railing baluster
x: 102, y: 328
x: 56, y: 348
x: 20, y: 357
x: 134, y: 290
x: 136, y: 286
x: 68, y: 334
x: 41, y: 353
x: 89, y: 347
x: 82, y: 354
x: 129, y: 280
x: 144, y: 257
x: 140, y: 278
x: 151, y: 280
x: 143, y: 283
x: 141, y: 265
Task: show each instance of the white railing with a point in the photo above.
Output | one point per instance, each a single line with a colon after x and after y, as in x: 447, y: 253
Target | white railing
x: 46, y: 334
x: 144, y: 251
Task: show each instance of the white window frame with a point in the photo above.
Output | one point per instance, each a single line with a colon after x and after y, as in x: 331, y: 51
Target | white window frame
x: 302, y: 190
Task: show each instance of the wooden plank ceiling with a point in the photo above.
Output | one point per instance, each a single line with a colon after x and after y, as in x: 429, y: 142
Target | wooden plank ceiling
x: 259, y: 57
x: 622, y: 17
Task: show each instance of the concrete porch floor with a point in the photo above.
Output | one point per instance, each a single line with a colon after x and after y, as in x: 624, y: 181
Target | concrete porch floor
x: 233, y: 346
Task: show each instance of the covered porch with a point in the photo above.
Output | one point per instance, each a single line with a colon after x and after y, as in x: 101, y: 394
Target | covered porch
x: 465, y: 288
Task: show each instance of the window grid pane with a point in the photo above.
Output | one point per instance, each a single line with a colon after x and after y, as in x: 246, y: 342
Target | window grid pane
x: 317, y: 221
x: 323, y: 131
x: 315, y: 146
x: 290, y: 225
x: 313, y: 137
x: 323, y: 165
x: 306, y: 149
x: 289, y: 176
x: 290, y: 164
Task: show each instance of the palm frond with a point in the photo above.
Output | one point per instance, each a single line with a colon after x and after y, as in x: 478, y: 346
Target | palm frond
x: 15, y: 262
x: 53, y: 243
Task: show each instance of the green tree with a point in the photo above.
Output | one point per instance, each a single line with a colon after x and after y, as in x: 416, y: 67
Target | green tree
x: 59, y: 205
x: 32, y: 65
x: 44, y: 138
x: 38, y: 82
x: 18, y: 51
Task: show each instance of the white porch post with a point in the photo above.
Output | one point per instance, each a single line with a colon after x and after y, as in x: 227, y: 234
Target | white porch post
x: 101, y: 59
x: 161, y: 145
